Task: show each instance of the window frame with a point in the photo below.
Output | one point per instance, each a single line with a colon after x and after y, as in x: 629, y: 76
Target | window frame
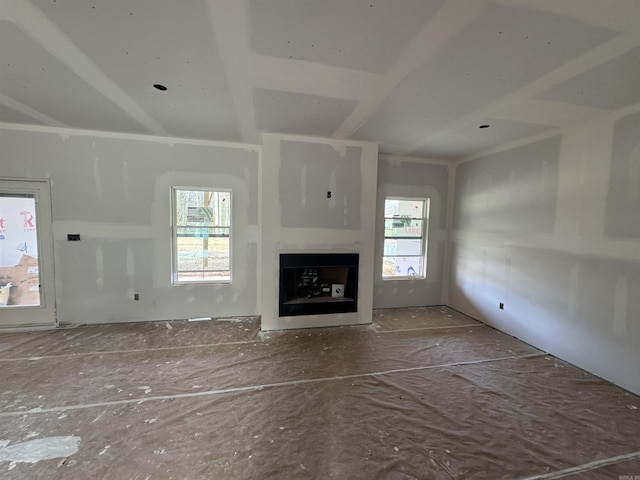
x: 426, y: 206
x: 174, y: 238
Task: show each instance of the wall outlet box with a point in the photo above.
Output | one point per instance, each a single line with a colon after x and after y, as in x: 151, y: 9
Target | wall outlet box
x: 337, y: 290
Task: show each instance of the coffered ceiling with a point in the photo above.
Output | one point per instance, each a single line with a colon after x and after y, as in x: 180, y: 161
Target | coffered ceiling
x: 417, y: 76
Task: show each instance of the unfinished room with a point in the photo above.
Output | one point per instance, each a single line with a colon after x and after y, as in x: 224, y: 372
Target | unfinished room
x: 311, y: 239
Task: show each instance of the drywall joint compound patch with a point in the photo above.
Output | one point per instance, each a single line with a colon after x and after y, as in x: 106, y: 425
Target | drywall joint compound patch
x: 33, y: 451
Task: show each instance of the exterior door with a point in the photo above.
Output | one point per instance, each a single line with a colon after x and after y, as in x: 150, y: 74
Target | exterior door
x: 27, y: 297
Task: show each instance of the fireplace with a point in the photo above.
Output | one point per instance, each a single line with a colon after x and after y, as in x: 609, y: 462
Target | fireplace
x: 318, y: 283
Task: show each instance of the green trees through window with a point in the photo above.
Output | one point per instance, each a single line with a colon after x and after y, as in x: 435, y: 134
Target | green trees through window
x: 405, y: 232
x: 201, y: 235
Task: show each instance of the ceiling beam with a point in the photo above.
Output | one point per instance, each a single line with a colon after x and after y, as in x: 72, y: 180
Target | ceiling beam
x: 231, y: 38
x: 445, y: 24
x: 35, y: 24
x: 20, y: 107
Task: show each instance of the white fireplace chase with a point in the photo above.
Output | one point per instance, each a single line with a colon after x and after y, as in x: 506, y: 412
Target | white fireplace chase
x: 318, y: 232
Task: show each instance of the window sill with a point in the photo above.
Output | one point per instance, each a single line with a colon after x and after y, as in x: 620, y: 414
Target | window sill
x: 205, y: 282
x: 415, y: 277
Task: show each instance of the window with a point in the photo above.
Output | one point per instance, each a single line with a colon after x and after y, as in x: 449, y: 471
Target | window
x: 201, y: 236
x: 405, y: 227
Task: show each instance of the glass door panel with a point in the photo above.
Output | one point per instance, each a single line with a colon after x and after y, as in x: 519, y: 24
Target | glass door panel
x: 19, y: 268
x: 27, y: 296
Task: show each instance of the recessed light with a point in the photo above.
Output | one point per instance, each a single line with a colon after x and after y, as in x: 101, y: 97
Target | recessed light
x: 157, y: 86
x: 484, y: 126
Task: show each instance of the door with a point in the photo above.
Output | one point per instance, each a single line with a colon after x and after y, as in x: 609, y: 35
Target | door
x: 27, y: 297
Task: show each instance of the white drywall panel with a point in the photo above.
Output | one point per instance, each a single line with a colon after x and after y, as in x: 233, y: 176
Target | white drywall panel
x: 462, y: 76
x: 568, y: 274
x: 312, y: 31
x: 299, y: 113
x: 28, y: 72
x: 402, y: 177
x: 297, y: 173
x: 115, y: 192
x: 155, y: 42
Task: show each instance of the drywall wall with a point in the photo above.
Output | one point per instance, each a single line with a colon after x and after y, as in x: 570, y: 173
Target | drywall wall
x: 307, y: 172
x: 299, y: 217
x: 550, y: 229
x: 406, y: 177
x: 114, y: 190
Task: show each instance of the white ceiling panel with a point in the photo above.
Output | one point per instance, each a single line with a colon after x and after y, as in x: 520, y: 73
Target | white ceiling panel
x: 299, y: 113
x: 613, y: 84
x: 467, y: 140
x: 503, y: 50
x: 9, y: 115
x: 145, y: 42
x: 34, y: 77
x: 415, y: 76
x: 358, y: 34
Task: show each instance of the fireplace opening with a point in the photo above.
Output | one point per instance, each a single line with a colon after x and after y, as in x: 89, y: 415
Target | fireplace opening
x: 318, y: 283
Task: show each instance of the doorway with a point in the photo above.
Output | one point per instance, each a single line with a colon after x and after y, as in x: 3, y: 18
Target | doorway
x: 27, y: 297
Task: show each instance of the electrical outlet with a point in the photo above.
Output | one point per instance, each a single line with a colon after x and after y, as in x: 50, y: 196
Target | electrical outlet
x: 501, y: 306
x: 136, y: 296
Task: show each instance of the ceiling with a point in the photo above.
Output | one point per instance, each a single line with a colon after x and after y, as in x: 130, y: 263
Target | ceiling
x: 417, y: 76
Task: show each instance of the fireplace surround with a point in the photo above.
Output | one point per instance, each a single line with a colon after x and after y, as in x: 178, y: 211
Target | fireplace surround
x: 318, y: 283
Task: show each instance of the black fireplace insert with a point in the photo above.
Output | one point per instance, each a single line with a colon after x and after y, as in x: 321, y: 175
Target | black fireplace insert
x: 318, y: 283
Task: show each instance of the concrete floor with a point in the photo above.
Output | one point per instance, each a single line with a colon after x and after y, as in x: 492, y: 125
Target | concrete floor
x: 422, y: 393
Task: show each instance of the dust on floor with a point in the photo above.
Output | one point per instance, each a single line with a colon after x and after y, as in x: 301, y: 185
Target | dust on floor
x: 422, y: 393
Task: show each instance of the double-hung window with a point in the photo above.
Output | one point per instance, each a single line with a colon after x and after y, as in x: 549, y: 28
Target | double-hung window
x: 201, y: 235
x: 405, y: 237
